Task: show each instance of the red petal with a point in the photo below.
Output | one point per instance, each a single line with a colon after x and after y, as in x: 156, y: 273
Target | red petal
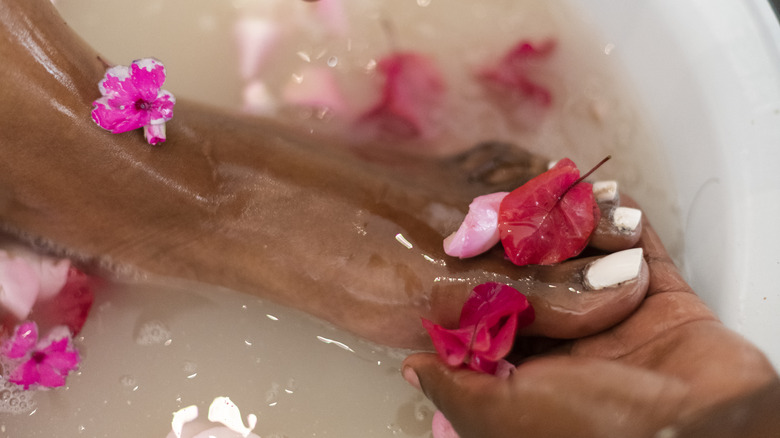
x: 547, y: 220
x: 488, y: 323
x: 496, y: 311
x: 515, y: 71
x: 70, y: 307
x: 411, y: 96
x: 452, y: 345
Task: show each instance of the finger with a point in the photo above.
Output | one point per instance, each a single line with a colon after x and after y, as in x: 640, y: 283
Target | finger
x: 585, y: 296
x: 664, y: 274
x: 620, y: 226
x: 594, y: 396
x: 467, y: 398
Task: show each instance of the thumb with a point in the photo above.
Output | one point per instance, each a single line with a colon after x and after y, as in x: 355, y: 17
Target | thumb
x: 467, y: 398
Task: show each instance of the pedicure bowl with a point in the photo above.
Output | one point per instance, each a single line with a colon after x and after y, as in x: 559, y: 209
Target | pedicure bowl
x: 705, y: 184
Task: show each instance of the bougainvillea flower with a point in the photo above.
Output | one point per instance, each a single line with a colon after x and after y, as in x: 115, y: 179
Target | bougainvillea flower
x: 479, y: 230
x: 71, y: 306
x: 486, y: 331
x: 132, y: 99
x: 515, y: 72
x: 550, y: 218
x: 46, y: 362
x: 412, y: 94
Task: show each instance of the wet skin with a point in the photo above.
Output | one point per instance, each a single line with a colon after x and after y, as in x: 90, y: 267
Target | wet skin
x: 670, y: 365
x: 256, y: 206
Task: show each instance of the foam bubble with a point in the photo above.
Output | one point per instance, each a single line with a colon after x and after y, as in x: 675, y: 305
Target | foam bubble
x: 153, y: 333
x: 15, y: 400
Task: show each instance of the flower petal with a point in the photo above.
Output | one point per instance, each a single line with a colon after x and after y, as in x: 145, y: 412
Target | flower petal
x: 19, y: 285
x: 26, y: 374
x: 479, y: 230
x: 452, y: 345
x: 22, y: 342
x: 147, y: 76
x: 118, y: 119
x: 411, y: 97
x: 49, y: 376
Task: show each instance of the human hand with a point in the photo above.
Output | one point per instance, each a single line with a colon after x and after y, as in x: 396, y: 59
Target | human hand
x: 668, y: 362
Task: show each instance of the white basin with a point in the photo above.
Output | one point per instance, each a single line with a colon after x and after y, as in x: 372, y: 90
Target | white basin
x: 708, y: 76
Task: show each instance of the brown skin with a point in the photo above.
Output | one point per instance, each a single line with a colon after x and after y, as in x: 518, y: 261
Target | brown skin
x: 253, y: 205
x: 668, y: 364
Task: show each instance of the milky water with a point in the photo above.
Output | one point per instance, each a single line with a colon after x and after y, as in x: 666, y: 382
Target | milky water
x: 154, y: 347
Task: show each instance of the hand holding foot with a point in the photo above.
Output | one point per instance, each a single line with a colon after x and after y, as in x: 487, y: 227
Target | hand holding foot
x: 666, y: 364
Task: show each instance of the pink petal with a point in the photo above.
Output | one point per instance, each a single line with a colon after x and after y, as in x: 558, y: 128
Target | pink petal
x: 515, y: 71
x: 479, y: 230
x: 256, y: 38
x: 155, y: 133
x: 452, y: 345
x: 22, y: 342
x: 316, y: 89
x: 49, y: 376
x: 111, y: 85
x: 161, y: 109
x: 411, y: 97
x: 19, y: 285
x: 25, y: 374
x: 147, y: 76
x: 118, y: 120
x: 490, y: 302
x: 441, y: 427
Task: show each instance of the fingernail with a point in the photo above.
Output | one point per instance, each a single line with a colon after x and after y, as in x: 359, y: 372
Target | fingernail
x: 411, y: 377
x: 605, y: 191
x: 626, y: 218
x: 614, y: 269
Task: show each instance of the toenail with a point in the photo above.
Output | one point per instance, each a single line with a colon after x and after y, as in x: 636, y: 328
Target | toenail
x: 614, y: 269
x: 626, y: 218
x: 605, y: 191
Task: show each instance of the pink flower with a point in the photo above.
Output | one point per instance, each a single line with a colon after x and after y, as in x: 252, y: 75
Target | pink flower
x: 516, y: 72
x: 132, y: 98
x: 488, y: 322
x: 25, y: 279
x: 412, y: 94
x: 479, y: 230
x: 46, y: 362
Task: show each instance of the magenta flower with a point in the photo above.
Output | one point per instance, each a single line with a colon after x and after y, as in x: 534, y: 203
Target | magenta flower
x: 486, y: 331
x: 132, y: 98
x: 46, y: 362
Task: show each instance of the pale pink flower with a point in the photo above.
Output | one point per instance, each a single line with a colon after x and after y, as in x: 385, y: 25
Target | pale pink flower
x: 46, y: 362
x: 132, y: 99
x: 479, y: 230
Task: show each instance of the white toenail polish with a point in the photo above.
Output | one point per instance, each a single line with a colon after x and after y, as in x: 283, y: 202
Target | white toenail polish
x: 551, y: 164
x: 605, y: 191
x: 614, y: 269
x: 626, y: 218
